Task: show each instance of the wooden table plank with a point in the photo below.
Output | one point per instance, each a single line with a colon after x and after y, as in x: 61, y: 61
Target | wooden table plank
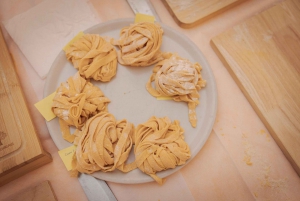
x: 263, y: 56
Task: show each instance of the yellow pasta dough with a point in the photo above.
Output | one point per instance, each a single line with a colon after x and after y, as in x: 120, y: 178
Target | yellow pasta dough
x: 76, y: 101
x: 94, y: 57
x: 160, y: 145
x: 140, y: 44
x: 103, y: 144
x: 180, y: 79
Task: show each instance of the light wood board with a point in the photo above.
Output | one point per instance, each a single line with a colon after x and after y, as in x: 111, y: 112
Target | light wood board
x: 41, y: 192
x: 263, y: 56
x: 189, y: 13
x: 20, y: 149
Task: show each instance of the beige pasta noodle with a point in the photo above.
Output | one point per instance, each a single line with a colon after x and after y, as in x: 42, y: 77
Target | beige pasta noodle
x: 179, y: 79
x: 94, y: 57
x: 103, y: 145
x: 160, y: 145
x: 140, y: 44
x: 77, y: 100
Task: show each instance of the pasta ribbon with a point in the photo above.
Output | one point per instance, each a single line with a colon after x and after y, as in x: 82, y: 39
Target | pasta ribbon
x: 160, y: 145
x: 103, y: 144
x: 140, y: 44
x: 75, y: 102
x: 180, y: 79
x: 94, y: 57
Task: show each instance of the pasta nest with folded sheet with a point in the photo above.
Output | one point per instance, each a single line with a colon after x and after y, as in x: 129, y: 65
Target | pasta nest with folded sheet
x: 140, y: 44
x: 103, y: 144
x: 160, y: 145
x: 94, y: 57
x: 75, y: 101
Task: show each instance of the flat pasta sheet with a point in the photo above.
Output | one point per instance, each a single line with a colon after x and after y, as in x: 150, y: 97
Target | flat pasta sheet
x: 130, y: 100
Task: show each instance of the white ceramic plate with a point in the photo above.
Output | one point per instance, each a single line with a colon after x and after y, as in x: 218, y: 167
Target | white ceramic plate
x: 130, y: 99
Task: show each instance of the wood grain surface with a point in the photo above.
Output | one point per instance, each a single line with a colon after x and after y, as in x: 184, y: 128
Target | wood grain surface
x: 189, y: 13
x: 40, y: 192
x: 20, y: 149
x: 263, y: 56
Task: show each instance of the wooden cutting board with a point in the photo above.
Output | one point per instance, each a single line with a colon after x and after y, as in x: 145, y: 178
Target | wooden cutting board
x: 20, y: 149
x: 263, y: 56
x: 189, y: 13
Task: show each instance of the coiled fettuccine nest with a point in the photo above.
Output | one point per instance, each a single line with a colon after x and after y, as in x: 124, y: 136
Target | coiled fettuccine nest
x: 179, y: 79
x: 140, y: 44
x: 94, y: 57
x: 75, y: 102
x: 160, y: 145
x: 103, y: 145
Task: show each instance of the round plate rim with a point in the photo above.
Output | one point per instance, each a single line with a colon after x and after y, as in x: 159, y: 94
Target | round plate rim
x: 213, y: 103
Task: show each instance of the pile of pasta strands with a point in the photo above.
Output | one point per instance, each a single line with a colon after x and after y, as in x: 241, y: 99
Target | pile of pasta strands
x: 160, y: 145
x: 179, y: 79
x: 75, y: 102
x: 140, y: 44
x: 94, y: 57
x: 103, y: 145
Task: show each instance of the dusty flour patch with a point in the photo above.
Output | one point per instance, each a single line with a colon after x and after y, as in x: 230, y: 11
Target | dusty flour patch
x: 268, y: 185
x: 248, y: 152
x: 267, y: 181
x: 264, y: 133
x: 276, y: 187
